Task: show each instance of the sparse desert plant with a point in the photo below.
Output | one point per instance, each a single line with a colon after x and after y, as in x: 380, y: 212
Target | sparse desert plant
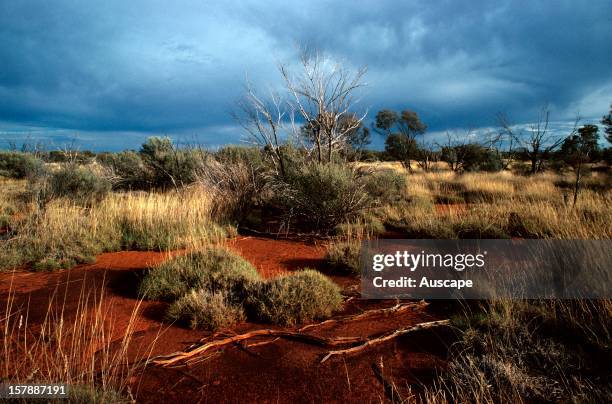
x: 345, y: 256
x: 163, y: 221
x: 213, y: 269
x: 523, y: 351
x: 60, y: 235
x: 322, y: 195
x: 364, y: 226
x: 127, y: 170
x: 295, y: 298
x: 170, y: 167
x: 20, y: 165
x: 387, y: 186
x: 237, y: 181
x: 77, y: 183
x: 202, y: 309
x: 70, y: 348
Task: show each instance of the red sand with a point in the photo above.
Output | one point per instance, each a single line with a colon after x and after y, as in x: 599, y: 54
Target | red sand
x: 284, y: 371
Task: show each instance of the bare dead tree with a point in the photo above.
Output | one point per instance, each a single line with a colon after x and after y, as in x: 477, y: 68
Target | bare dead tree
x: 322, y: 94
x: 263, y: 119
x: 537, y: 141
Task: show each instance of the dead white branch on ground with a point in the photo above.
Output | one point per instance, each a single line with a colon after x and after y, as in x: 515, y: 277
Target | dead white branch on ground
x: 385, y: 338
x: 398, y: 308
x: 168, y: 360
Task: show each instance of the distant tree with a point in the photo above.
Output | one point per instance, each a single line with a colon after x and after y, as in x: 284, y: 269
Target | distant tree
x: 401, y: 131
x: 606, y: 121
x: 580, y: 146
x: 400, y: 147
x: 537, y: 142
x: 577, y: 150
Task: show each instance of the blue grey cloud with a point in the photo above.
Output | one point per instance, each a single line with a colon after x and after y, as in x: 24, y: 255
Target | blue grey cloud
x: 104, y: 69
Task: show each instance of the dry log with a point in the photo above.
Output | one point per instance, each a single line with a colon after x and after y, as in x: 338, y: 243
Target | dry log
x: 398, y: 308
x: 168, y: 360
x: 384, y: 338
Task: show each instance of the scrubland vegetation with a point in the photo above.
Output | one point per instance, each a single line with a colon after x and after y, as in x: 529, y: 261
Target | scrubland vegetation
x: 57, y: 215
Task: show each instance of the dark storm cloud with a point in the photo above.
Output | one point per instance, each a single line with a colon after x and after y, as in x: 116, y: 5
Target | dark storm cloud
x: 162, y: 67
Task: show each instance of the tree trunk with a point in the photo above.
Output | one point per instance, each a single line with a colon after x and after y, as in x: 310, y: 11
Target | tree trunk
x: 577, y: 183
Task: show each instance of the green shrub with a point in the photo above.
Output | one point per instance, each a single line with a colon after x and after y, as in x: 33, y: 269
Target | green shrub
x: 169, y: 166
x: 323, y: 195
x: 252, y: 156
x: 344, y: 256
x: 213, y: 269
x: 128, y: 168
x: 20, y: 165
x: 299, y: 297
x: 386, y: 186
x: 79, y: 184
x: 207, y: 310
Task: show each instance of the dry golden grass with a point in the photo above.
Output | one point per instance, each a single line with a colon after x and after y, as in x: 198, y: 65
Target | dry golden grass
x: 83, y: 349
x: 62, y: 233
x: 500, y: 203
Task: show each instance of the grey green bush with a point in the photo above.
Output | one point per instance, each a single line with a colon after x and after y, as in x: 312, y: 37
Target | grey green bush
x: 295, y: 298
x: 202, y: 309
x: 322, y: 195
x: 79, y: 184
x: 213, y: 269
x: 20, y: 165
x: 344, y: 256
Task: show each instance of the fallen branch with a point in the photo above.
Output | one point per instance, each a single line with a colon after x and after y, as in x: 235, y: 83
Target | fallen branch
x: 398, y: 308
x: 385, y: 338
x: 168, y: 360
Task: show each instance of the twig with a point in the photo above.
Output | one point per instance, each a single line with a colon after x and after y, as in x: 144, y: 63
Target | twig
x: 384, y: 338
x: 398, y: 308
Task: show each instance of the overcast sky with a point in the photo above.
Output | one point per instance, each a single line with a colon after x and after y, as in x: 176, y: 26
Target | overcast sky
x: 113, y: 72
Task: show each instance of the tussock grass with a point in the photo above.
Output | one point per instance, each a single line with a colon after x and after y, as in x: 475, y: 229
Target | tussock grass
x: 213, y: 269
x: 81, y: 349
x: 529, y: 351
x: 163, y: 221
x: 215, y: 287
x: 62, y: 233
x: 507, y: 206
x: 344, y: 256
x: 296, y: 298
x: 207, y: 310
